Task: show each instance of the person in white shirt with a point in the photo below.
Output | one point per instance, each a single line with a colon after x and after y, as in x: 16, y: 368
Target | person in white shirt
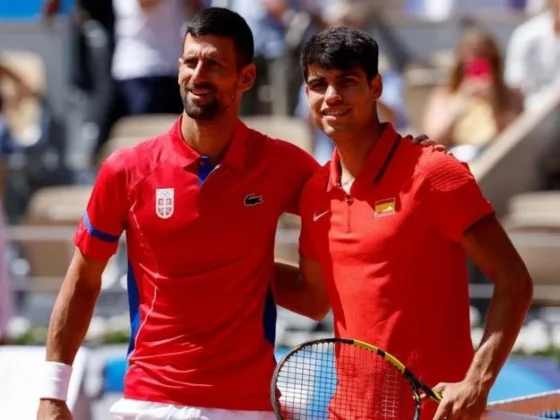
x: 533, y: 55
x: 148, y: 43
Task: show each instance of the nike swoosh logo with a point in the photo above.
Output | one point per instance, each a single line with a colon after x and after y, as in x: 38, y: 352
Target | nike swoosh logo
x: 318, y: 216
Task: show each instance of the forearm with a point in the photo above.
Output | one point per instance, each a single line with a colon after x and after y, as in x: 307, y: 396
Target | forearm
x: 506, y: 314
x: 293, y: 293
x: 70, y: 320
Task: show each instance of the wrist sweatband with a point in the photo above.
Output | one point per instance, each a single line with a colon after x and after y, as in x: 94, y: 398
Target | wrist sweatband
x: 54, y: 381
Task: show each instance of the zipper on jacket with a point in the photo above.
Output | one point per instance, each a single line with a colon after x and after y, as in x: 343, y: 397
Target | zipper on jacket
x: 349, y: 200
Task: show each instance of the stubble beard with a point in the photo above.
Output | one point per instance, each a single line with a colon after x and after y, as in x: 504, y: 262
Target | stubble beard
x: 200, y: 112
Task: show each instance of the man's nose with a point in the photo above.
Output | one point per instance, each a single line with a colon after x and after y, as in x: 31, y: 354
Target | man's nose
x: 199, y: 73
x: 332, y: 94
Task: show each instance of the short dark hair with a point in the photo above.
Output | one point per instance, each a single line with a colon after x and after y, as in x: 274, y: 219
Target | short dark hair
x: 341, y: 48
x: 219, y: 21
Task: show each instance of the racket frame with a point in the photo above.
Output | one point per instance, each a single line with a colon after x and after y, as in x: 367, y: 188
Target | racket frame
x: 417, y: 385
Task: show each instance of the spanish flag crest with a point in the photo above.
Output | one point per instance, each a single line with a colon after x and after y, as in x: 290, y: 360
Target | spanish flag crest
x: 385, y: 207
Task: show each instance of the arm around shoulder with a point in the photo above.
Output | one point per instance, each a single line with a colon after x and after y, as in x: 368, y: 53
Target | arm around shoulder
x: 301, y: 290
x: 300, y: 166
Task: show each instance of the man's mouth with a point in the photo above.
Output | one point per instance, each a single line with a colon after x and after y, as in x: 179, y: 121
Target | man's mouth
x: 200, y: 92
x: 336, y: 113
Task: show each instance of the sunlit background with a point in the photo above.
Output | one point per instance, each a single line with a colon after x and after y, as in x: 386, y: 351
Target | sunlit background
x: 64, y: 109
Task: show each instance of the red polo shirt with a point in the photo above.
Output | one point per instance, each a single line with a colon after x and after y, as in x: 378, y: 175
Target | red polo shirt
x: 395, y: 272
x: 200, y: 244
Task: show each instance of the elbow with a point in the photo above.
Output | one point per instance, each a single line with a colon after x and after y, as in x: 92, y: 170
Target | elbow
x: 320, y: 311
x: 525, y: 285
x: 521, y: 290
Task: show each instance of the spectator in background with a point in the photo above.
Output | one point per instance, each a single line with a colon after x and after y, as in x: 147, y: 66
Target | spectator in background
x: 533, y: 55
x: 280, y: 28
x: 148, y: 41
x: 476, y: 105
x: 6, y: 148
x: 100, y: 13
x: 7, y: 143
x: 93, y: 92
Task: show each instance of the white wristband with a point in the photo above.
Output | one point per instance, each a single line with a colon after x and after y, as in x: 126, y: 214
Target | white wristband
x: 55, y: 381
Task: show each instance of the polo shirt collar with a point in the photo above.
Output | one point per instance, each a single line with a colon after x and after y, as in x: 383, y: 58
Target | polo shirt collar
x: 375, y: 163
x: 235, y: 154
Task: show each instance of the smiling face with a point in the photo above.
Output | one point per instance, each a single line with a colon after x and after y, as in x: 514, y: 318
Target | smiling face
x: 210, y: 77
x: 342, y: 101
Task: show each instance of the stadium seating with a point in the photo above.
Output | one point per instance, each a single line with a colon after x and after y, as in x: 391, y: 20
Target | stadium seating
x: 510, y: 176
x: 421, y: 77
x: 291, y: 129
x: 131, y: 130
x: 117, y: 143
x: 52, y: 207
x: 534, y: 210
x: 511, y: 164
x: 533, y: 223
x: 142, y: 126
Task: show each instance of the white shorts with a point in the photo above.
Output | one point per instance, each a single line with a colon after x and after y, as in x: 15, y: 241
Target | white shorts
x: 126, y: 409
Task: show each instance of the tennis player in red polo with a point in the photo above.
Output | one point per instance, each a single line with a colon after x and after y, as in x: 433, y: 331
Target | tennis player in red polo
x: 391, y: 226
x: 199, y: 206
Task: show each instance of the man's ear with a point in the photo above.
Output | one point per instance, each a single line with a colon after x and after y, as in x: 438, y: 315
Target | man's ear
x: 249, y: 73
x: 179, y: 64
x: 376, y: 86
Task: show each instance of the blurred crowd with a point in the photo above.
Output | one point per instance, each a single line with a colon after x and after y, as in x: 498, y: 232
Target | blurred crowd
x: 125, y: 54
x: 124, y: 62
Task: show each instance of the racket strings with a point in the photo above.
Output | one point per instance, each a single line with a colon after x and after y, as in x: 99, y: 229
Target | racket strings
x: 339, y: 381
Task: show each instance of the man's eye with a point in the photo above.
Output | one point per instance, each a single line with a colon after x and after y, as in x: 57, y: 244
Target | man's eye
x: 317, y: 86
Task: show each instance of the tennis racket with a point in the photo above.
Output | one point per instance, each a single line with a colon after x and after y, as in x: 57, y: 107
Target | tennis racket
x: 345, y: 379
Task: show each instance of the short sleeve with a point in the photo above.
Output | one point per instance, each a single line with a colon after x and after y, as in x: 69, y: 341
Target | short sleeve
x: 306, y: 243
x: 301, y: 167
x: 453, y: 198
x: 104, y: 220
x: 306, y: 246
